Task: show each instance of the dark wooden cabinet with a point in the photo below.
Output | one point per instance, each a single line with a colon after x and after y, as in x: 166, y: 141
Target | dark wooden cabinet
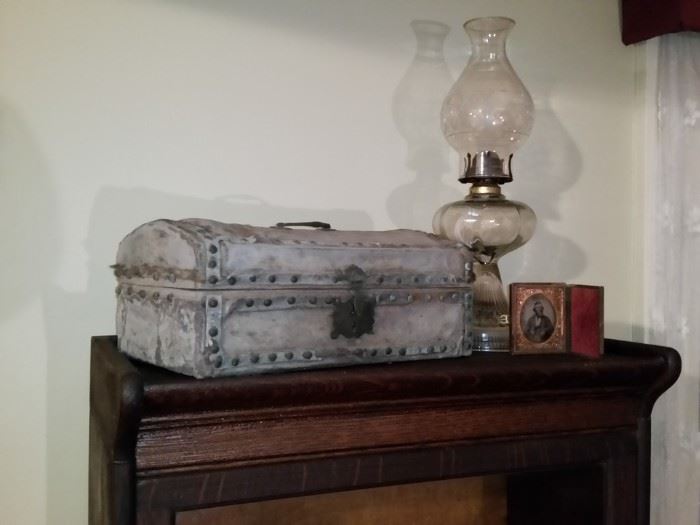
x: 571, y: 436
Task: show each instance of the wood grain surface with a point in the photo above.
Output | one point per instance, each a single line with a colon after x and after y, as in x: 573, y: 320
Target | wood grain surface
x: 561, y: 431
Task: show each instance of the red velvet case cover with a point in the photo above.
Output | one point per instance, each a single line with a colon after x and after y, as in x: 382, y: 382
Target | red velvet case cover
x: 585, y: 313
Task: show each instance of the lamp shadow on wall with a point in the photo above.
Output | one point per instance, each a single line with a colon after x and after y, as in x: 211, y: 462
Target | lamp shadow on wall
x: 29, y: 216
x: 416, y: 107
x: 548, y: 165
x: 73, y: 317
x: 32, y: 248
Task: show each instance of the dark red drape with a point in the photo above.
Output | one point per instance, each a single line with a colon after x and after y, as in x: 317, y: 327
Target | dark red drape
x: 643, y: 19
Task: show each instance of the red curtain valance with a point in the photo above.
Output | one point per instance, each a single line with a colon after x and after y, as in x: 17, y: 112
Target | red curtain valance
x: 644, y: 19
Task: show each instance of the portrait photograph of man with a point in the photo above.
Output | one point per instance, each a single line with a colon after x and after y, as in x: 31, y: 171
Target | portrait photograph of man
x: 538, y: 319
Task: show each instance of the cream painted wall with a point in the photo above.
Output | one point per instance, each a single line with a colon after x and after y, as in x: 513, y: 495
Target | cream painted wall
x: 115, y: 112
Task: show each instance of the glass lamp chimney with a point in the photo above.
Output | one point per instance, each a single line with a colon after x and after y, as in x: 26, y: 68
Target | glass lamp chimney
x: 488, y: 113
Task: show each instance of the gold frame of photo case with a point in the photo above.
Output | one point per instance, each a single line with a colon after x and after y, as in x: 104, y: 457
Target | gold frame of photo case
x: 532, y: 329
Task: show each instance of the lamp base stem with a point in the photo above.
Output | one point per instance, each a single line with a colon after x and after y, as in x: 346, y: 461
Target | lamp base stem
x: 491, y: 326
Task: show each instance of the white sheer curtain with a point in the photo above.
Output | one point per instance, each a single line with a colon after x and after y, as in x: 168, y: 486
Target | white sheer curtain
x: 673, y: 209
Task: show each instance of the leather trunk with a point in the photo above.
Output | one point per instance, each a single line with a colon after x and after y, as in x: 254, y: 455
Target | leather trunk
x: 207, y: 299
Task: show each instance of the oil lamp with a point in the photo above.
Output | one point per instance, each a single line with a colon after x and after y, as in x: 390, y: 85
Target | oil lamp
x: 486, y: 116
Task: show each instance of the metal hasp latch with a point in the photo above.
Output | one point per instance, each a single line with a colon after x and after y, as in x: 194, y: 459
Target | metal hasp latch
x: 353, y: 317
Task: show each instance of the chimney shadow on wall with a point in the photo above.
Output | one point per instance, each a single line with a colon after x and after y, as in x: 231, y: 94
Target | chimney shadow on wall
x: 416, y: 113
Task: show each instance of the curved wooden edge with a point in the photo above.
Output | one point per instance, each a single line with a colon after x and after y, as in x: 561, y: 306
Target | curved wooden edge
x: 116, y: 396
x: 671, y: 370
x: 670, y: 373
x: 133, y: 391
x: 116, y: 403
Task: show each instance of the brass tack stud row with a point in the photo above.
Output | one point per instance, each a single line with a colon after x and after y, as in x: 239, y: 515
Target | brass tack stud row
x: 381, y: 279
x: 291, y: 300
x: 213, y: 264
x: 142, y: 294
x: 272, y: 357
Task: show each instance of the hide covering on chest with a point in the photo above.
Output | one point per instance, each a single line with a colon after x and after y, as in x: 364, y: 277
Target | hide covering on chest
x: 206, y: 299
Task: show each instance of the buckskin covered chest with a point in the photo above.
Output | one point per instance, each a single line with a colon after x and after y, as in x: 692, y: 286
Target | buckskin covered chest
x: 207, y: 299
